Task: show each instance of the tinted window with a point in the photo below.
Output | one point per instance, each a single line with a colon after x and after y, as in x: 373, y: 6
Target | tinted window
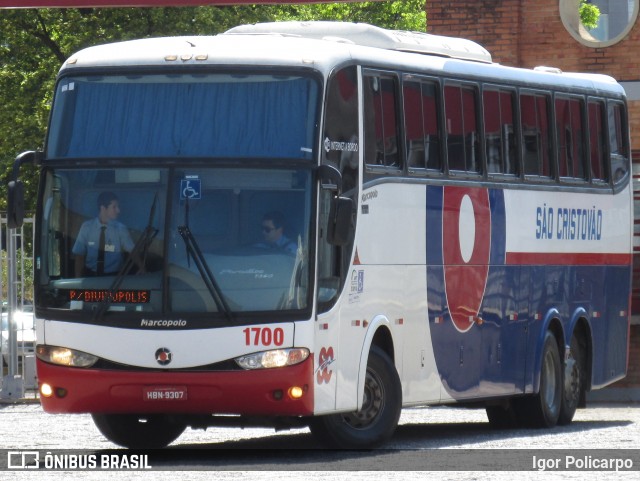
x: 618, y: 141
x: 341, y: 143
x: 381, y: 126
x: 570, y: 137
x: 597, y: 140
x: 421, y: 122
x: 534, y: 116
x: 500, y: 142
x: 461, y: 124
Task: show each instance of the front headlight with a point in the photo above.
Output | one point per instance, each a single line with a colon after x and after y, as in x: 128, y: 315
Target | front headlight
x: 64, y: 356
x: 271, y: 359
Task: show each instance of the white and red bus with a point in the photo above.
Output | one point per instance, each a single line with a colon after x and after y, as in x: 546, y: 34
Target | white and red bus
x: 457, y: 232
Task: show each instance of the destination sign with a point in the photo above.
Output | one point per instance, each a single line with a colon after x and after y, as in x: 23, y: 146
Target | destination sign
x: 119, y: 296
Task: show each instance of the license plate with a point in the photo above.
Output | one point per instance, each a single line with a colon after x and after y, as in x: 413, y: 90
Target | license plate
x: 164, y: 393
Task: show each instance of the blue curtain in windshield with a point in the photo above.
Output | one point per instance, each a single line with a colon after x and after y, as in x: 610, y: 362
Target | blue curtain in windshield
x: 241, y: 119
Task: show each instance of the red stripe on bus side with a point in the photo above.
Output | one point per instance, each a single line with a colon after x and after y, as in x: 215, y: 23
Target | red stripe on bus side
x: 566, y: 259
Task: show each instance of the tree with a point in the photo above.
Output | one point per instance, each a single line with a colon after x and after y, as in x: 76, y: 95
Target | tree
x: 34, y: 43
x: 589, y: 14
x: 407, y: 15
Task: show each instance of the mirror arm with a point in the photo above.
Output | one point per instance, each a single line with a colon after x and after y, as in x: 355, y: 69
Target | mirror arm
x: 31, y: 156
x: 330, y: 178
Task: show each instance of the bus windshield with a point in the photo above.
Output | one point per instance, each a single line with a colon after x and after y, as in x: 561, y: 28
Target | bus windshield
x: 184, y: 116
x: 220, y: 241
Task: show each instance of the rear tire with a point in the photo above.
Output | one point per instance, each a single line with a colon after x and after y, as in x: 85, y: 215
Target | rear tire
x: 139, y: 431
x: 377, y: 420
x: 542, y: 410
x: 574, y: 383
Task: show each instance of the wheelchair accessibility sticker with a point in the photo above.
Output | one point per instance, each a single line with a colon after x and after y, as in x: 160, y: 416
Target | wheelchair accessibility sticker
x: 190, y: 188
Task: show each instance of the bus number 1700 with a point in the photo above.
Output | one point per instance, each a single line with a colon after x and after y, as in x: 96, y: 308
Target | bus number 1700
x: 263, y: 336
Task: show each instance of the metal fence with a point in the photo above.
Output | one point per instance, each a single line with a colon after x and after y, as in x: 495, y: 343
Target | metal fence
x: 17, y: 359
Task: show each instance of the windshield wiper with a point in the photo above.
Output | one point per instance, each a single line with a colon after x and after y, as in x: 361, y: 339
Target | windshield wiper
x: 194, y: 252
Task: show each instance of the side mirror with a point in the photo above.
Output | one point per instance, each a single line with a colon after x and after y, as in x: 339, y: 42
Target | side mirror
x: 339, y: 228
x: 15, y: 204
x: 15, y: 191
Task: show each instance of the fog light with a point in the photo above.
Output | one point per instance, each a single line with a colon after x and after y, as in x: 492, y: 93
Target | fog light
x: 295, y: 392
x: 46, y: 390
x: 61, y: 392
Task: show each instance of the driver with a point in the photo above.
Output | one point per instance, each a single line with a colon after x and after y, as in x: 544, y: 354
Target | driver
x: 273, y: 233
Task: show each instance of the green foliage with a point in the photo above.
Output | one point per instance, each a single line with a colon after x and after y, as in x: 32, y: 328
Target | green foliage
x: 403, y: 15
x: 589, y: 14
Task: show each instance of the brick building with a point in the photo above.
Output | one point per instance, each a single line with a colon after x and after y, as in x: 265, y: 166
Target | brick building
x: 528, y: 33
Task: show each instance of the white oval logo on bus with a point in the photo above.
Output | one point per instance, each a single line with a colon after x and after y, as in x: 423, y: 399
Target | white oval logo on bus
x: 466, y: 228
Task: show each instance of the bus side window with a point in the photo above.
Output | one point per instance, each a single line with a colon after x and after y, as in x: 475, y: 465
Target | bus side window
x: 534, y: 117
x: 341, y: 125
x: 570, y: 147
x: 461, y: 124
x: 414, y: 125
x: 618, y: 141
x: 421, y: 123
x: 381, y: 125
x: 500, y: 145
x: 597, y: 140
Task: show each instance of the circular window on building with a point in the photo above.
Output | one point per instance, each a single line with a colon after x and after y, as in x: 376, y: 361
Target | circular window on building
x: 598, y: 23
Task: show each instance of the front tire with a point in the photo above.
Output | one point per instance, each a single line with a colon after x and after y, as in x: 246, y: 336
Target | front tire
x: 377, y: 420
x: 139, y: 431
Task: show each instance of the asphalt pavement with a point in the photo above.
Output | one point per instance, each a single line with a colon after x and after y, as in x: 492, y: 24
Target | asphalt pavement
x: 459, y: 435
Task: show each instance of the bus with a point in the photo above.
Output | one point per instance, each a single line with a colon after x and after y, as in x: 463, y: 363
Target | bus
x: 321, y: 223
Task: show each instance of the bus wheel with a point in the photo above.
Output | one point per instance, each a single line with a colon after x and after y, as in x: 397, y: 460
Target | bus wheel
x: 139, y: 431
x: 573, y: 383
x: 542, y: 410
x: 377, y: 420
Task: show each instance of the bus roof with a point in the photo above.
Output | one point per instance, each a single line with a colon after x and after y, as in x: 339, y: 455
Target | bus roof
x: 372, y: 36
x: 323, y: 46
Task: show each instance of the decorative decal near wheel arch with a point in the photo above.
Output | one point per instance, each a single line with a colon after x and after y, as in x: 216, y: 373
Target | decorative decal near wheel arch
x: 325, y: 359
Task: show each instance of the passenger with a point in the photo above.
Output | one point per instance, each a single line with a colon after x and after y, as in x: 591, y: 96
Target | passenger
x: 102, y: 241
